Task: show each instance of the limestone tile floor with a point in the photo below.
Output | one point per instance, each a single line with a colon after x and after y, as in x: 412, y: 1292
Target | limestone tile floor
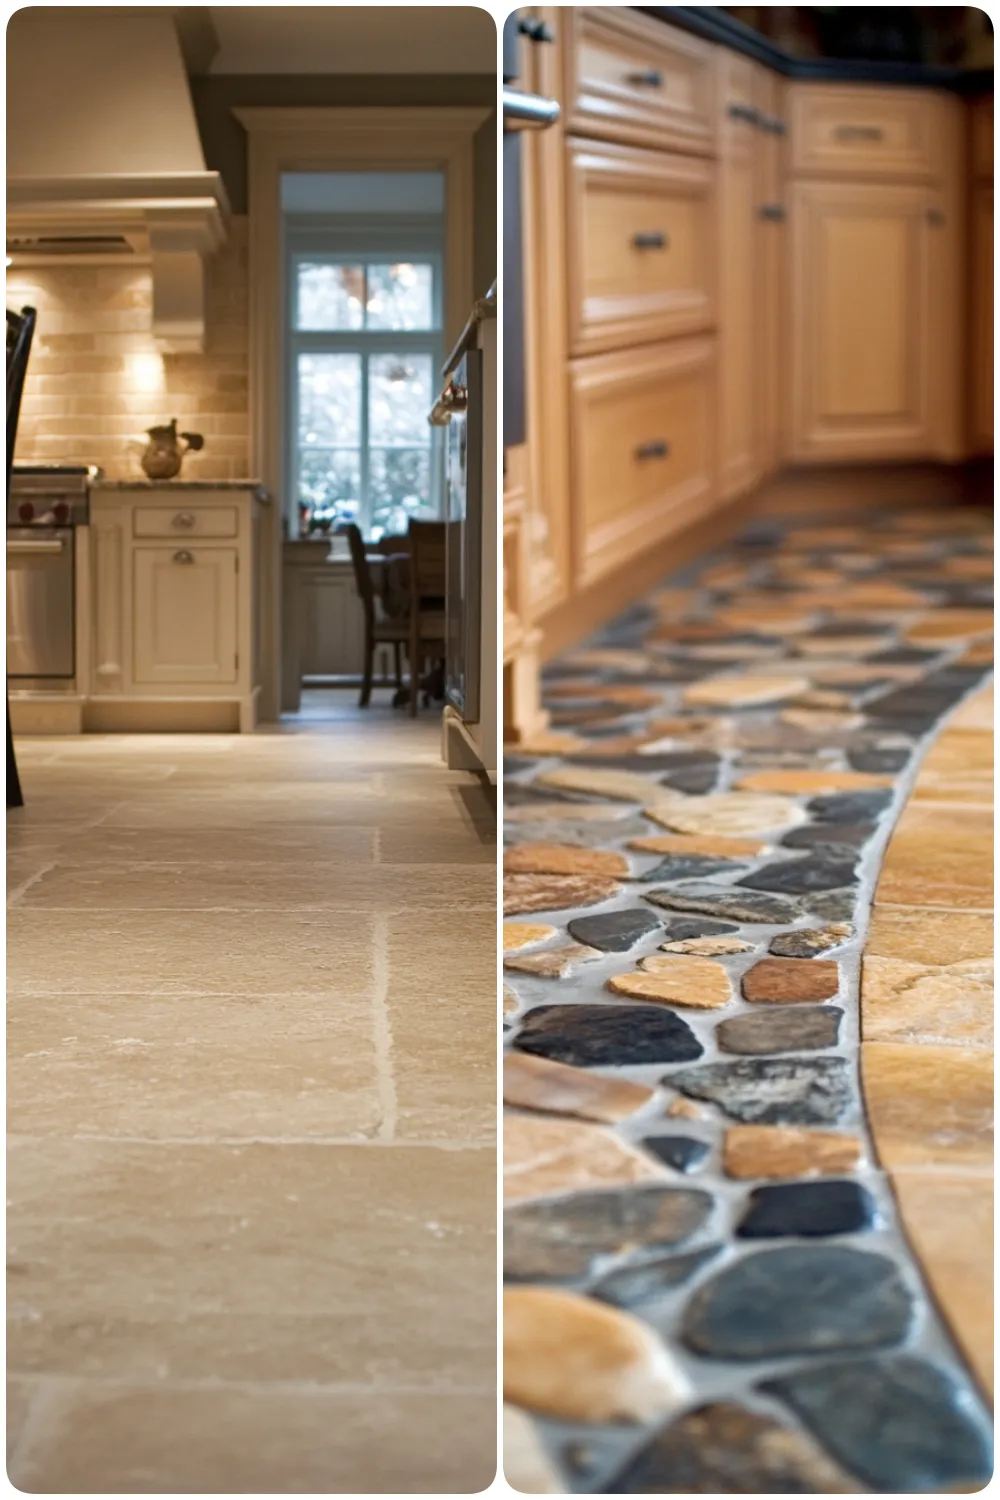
x: 927, y: 1023
x: 252, y: 1101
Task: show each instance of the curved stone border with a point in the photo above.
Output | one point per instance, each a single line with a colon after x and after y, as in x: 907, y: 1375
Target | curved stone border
x: 927, y: 1024
x: 709, y: 1286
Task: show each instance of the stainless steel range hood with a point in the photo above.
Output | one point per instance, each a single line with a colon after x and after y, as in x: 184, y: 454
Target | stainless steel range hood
x: 104, y: 159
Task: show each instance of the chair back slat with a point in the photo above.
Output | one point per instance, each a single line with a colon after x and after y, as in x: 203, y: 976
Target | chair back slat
x: 359, y: 562
x: 428, y: 559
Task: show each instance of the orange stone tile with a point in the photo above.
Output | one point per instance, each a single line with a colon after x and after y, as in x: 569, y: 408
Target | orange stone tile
x: 692, y: 843
x: 979, y: 654
x: 811, y: 783
x: 929, y: 1106
x: 975, y: 713
x: 944, y: 1005
x: 949, y: 1221
x: 958, y: 768
x: 563, y: 859
x: 947, y: 625
x: 929, y: 936
x: 940, y: 854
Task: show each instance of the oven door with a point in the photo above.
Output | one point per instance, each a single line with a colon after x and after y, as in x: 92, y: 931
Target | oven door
x: 464, y: 535
x: 41, y: 640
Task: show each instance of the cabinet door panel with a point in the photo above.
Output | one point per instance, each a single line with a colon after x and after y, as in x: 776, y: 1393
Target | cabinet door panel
x: 982, y: 319
x: 185, y: 611
x: 739, y: 305
x: 861, y: 346
x: 642, y: 254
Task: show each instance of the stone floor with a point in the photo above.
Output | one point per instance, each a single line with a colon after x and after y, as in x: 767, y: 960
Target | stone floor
x: 252, y: 1103
x: 712, y: 1233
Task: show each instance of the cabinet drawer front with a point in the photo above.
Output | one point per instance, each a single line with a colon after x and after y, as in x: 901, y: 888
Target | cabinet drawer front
x: 183, y: 520
x: 864, y: 132
x: 185, y: 615
x: 633, y: 79
x: 642, y: 249
x: 643, y: 446
x: 982, y: 137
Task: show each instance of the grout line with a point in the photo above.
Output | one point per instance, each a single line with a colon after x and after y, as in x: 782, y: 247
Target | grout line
x: 224, y: 1383
x: 365, y: 1142
x: 14, y: 896
x: 384, y: 1074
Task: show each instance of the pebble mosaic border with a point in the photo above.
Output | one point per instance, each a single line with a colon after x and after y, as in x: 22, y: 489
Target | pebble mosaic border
x: 707, y: 1285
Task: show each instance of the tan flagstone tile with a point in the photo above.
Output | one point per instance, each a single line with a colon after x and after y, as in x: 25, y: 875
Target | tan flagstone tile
x: 929, y: 1106
x: 928, y: 936
x: 548, y: 1155
x: 553, y: 1087
x: 528, y: 893
x: 947, y: 625
x: 691, y: 843
x: 744, y: 690
x: 554, y: 963
x: 958, y: 768
x: 950, y: 1005
x: 949, y: 1221
x: 778, y: 1151
x: 700, y: 983
x: 518, y: 935
x: 811, y: 783
x: 563, y: 859
x: 940, y: 854
x: 976, y: 712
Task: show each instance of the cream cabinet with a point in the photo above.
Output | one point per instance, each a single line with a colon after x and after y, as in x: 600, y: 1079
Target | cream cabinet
x: 173, y: 627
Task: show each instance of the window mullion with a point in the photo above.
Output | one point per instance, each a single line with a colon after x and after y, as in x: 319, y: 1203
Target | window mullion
x: 366, y: 498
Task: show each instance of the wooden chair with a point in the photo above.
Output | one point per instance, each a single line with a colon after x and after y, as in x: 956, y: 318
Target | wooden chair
x: 20, y: 332
x: 380, y: 628
x: 427, y: 599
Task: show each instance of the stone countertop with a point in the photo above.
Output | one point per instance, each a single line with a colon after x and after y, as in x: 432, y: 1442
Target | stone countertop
x: 185, y: 485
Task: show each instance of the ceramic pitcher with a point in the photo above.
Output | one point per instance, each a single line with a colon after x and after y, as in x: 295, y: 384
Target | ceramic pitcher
x: 164, y: 455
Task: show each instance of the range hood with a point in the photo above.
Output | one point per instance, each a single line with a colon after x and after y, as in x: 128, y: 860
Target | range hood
x: 104, y: 159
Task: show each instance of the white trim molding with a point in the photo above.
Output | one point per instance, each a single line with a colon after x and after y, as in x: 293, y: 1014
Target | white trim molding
x: 339, y: 139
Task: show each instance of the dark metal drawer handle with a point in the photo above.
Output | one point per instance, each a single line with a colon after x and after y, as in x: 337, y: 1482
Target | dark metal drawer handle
x: 653, y: 240
x: 860, y: 133
x: 536, y: 31
x: 935, y: 217
x: 651, y: 79
x: 772, y: 124
x: 183, y: 557
x: 656, y: 449
x: 744, y: 112
x: 773, y: 211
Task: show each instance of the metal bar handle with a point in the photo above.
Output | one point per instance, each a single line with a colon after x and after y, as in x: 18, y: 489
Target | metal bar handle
x: 43, y: 544
x: 744, y: 112
x: 528, y: 111
x: 650, y: 78
x: 773, y: 211
x: 657, y: 448
x: 654, y: 239
x: 860, y: 133
x: 184, y: 557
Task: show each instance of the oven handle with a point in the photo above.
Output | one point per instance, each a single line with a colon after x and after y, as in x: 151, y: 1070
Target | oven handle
x: 43, y: 544
x: 527, y: 111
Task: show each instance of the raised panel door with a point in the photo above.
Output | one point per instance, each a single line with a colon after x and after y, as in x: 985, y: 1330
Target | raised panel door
x: 185, y: 615
x: 862, y: 351
x: 739, y: 298
x: 982, y: 318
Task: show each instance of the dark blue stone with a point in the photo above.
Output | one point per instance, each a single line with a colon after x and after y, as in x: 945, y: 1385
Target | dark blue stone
x: 634, y: 1285
x: 813, y: 1209
x: 614, y: 931
x: 683, y: 1152
x: 690, y: 867
x: 818, y: 872
x: 902, y: 1425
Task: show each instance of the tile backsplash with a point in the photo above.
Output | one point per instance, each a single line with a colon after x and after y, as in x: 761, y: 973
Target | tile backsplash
x: 96, y: 380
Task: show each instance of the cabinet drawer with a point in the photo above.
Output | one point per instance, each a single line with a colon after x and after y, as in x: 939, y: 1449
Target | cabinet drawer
x: 864, y: 131
x: 632, y: 79
x: 643, y: 445
x: 642, y: 247
x: 182, y: 520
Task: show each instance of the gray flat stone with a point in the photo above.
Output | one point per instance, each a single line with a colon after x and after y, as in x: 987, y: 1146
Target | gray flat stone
x: 813, y: 1210
x: 727, y: 901
x: 614, y: 931
x: 903, y: 1425
x: 583, y: 835
x: 808, y: 1299
x: 598, y: 1036
x: 806, y: 942
x: 818, y: 871
x: 558, y: 1238
x: 800, y: 1028
x: 827, y: 835
x: 633, y: 1286
x: 676, y: 930
x: 833, y: 906
x: 692, y: 867
x: 773, y: 1091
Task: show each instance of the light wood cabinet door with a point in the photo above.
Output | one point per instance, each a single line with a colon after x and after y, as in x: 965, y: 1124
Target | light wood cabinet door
x: 863, y: 342
x: 643, y: 449
x: 770, y: 233
x: 982, y: 318
x: 185, y: 621
x: 642, y: 245
x: 739, y: 291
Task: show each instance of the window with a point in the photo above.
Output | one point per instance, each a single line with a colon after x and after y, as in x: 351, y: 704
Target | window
x: 365, y: 347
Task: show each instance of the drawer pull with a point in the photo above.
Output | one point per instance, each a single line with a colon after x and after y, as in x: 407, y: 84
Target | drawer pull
x: 184, y: 557
x: 860, y: 133
x: 935, y: 217
x: 656, y: 449
x: 654, y: 239
x: 773, y: 211
x: 650, y: 79
x: 184, y: 520
x: 772, y: 124
x: 744, y: 112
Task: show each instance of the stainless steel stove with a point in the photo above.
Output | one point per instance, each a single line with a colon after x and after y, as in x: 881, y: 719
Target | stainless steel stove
x: 47, y: 503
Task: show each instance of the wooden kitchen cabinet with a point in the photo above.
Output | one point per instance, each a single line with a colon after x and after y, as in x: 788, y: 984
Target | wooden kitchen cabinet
x: 173, y: 629
x: 770, y: 240
x: 642, y: 251
x: 866, y: 132
x: 642, y: 446
x: 740, y: 310
x: 981, y: 266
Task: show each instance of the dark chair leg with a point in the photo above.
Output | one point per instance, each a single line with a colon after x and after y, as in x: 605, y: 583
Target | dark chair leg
x: 366, y: 683
x: 397, y: 651
x: 15, y: 797
x: 415, y: 659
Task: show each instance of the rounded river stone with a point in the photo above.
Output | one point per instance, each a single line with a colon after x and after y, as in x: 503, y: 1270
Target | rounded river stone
x: 556, y: 1238
x: 798, y: 1029
x: 614, y: 931
x: 772, y: 1091
x: 901, y: 1424
x: 812, y: 1209
x: 598, y: 1036
x: 634, y: 1285
x: 799, y: 1300
x: 682, y: 1152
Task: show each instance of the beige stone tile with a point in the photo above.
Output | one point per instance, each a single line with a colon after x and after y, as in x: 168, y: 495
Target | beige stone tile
x: 20, y: 1395
x: 928, y: 936
x: 154, y: 1066
x: 949, y: 1221
x: 976, y: 713
x: 929, y: 1106
x: 440, y: 1011
x: 948, y: 1005
x: 940, y: 855
x: 258, y: 884
x: 116, y: 1440
x: 958, y: 768
x: 272, y: 843
x: 283, y: 952
x: 366, y: 1265
x: 453, y: 844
